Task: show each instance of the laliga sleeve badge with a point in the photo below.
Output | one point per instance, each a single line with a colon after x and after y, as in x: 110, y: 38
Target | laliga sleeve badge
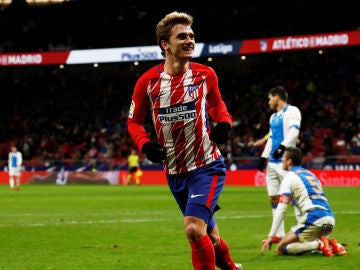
x: 132, y: 108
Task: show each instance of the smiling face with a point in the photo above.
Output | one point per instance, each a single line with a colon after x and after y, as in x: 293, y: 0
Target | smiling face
x: 181, y: 43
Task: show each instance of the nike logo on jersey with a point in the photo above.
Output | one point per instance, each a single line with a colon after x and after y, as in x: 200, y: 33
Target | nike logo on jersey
x: 196, y: 195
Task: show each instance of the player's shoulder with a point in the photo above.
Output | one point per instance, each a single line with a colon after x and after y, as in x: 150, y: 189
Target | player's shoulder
x: 290, y: 176
x: 201, y: 67
x: 293, y: 110
x: 293, y: 107
x: 289, y: 181
x: 151, y: 72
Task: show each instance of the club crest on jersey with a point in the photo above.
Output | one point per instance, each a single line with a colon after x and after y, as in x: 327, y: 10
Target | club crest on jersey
x: 193, y: 90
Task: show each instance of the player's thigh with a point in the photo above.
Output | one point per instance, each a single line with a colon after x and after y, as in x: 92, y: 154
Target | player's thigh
x: 310, y: 233
x: 274, y: 176
x: 289, y: 238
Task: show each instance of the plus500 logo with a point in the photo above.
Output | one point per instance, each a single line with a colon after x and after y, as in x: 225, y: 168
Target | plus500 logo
x: 139, y: 56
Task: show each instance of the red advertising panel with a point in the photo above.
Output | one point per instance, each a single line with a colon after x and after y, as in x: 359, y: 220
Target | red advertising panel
x: 33, y: 58
x: 304, y: 42
x: 346, y: 178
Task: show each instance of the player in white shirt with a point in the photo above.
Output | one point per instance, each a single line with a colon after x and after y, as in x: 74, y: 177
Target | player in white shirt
x: 284, y: 132
x: 303, y: 188
x: 14, y: 164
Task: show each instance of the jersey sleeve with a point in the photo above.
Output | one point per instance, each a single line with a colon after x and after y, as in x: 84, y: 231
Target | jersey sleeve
x: 278, y: 218
x: 267, y: 148
x: 216, y: 106
x: 20, y: 160
x: 138, y: 109
x: 294, y: 126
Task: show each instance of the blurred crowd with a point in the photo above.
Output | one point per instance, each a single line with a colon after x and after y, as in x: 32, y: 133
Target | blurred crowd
x: 78, y: 114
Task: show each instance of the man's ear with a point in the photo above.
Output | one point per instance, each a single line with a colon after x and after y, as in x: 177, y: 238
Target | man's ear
x: 163, y: 44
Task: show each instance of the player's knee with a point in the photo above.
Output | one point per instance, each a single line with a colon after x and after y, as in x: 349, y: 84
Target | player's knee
x: 280, y: 250
x: 194, y: 230
x: 215, y: 238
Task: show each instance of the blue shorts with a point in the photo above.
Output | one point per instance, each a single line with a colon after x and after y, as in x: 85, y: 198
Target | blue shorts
x: 197, y: 192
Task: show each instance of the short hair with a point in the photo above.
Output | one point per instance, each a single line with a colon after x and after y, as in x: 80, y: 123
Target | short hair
x: 295, y: 154
x: 163, y: 28
x: 279, y: 91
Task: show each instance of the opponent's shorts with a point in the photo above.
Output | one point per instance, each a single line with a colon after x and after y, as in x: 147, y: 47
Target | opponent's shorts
x: 274, y: 175
x: 14, y: 171
x: 314, y: 224
x: 197, y: 192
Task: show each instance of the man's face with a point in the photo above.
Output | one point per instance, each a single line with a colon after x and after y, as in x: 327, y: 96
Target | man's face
x: 181, y: 43
x: 286, y: 162
x: 273, y: 102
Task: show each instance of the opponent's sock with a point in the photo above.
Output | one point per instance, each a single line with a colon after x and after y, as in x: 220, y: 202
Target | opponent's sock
x: 18, y: 183
x: 223, y: 258
x: 203, y: 254
x: 12, y: 182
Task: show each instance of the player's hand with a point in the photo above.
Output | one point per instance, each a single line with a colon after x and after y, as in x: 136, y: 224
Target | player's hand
x: 154, y: 152
x: 261, y: 164
x: 266, y: 244
x: 279, y: 151
x: 220, y: 133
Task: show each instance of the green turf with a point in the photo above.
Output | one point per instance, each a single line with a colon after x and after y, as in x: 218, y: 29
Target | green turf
x: 84, y: 227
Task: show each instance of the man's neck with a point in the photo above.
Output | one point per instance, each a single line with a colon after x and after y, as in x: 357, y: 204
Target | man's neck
x: 175, y: 67
x: 281, y: 106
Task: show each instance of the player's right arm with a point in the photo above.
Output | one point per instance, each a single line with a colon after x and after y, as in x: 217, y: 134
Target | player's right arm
x: 138, y: 109
x: 267, y: 148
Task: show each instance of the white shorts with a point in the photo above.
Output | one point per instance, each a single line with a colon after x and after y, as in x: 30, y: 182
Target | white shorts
x: 307, y: 233
x: 274, y: 175
x: 14, y: 171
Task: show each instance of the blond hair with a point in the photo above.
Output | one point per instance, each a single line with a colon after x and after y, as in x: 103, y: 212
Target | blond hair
x: 163, y: 28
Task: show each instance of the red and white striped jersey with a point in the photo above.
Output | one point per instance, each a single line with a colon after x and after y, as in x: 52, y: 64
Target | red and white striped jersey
x: 182, y: 108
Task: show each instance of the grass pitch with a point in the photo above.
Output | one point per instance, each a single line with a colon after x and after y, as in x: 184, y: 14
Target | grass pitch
x: 85, y: 227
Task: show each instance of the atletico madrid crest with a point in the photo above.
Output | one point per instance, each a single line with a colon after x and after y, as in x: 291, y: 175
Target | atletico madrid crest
x: 193, y: 90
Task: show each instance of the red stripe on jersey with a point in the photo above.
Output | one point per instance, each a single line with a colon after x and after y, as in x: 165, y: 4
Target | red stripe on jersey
x: 179, y: 107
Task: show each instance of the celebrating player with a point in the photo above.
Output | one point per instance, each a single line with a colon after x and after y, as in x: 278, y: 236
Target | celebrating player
x: 183, y: 97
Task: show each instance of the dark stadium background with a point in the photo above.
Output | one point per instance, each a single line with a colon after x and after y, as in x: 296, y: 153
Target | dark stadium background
x: 77, y: 113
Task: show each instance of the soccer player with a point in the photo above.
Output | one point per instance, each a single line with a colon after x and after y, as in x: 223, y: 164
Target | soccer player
x: 14, y: 164
x: 284, y: 132
x: 317, y: 220
x: 184, y: 100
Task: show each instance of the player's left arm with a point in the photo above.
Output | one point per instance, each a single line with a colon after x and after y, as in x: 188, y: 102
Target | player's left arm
x: 279, y: 215
x: 20, y: 159
x: 278, y: 218
x: 294, y: 123
x: 216, y: 106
